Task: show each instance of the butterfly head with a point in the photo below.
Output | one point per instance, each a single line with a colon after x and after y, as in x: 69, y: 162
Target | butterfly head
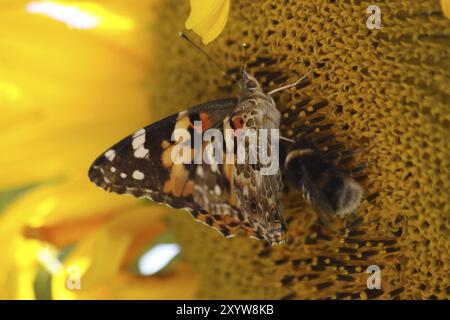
x: 249, y: 85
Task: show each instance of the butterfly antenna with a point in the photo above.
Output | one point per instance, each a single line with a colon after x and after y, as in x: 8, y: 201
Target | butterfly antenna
x: 185, y: 37
x: 244, y: 60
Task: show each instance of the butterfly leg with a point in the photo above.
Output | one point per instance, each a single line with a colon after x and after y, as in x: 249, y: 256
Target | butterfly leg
x: 288, y: 86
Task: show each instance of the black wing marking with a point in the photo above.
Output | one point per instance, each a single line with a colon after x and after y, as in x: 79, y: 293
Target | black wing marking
x: 140, y: 164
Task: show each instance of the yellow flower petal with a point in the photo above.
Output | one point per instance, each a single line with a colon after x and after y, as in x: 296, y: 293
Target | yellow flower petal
x: 65, y: 94
x: 18, y: 255
x: 53, y: 212
x: 445, y: 4
x: 18, y: 266
x: 59, y: 203
x: 101, y: 259
x: 208, y: 18
x: 181, y: 284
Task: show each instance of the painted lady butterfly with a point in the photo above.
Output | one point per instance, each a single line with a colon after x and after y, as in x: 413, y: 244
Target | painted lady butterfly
x: 227, y: 197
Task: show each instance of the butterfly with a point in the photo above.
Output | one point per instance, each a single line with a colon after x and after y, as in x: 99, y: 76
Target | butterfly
x: 230, y: 197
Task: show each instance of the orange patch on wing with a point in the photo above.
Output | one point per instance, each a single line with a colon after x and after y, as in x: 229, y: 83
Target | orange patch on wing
x: 221, y: 222
x: 238, y: 123
x: 166, y: 157
x: 229, y: 173
x: 206, y: 121
x: 188, y: 188
x: 177, y: 180
x: 231, y: 222
x: 165, y: 144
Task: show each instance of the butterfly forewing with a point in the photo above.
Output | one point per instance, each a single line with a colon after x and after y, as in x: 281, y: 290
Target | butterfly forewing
x: 141, y: 164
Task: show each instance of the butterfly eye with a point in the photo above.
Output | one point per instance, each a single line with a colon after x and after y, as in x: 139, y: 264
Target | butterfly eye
x: 253, y: 206
x: 251, y: 84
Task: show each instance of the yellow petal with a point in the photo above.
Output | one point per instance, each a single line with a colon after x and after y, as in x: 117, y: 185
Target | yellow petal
x: 40, y: 210
x: 208, y: 18
x: 67, y: 231
x: 60, y: 203
x: 445, y: 4
x: 67, y: 94
x: 102, y: 257
x: 18, y: 266
x: 18, y: 256
x: 181, y: 283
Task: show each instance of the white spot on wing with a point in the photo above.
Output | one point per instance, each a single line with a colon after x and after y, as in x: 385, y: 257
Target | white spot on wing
x: 182, y: 114
x: 113, y: 169
x: 200, y: 172
x: 138, y: 141
x: 214, y: 167
x: 138, y: 144
x: 110, y: 154
x: 138, y: 175
x: 217, y: 190
x: 141, y: 152
x: 123, y: 175
x: 139, y: 132
x: 246, y: 193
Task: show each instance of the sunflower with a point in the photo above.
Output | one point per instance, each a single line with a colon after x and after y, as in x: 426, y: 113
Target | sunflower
x: 387, y: 91
x: 71, y: 87
x: 74, y: 80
